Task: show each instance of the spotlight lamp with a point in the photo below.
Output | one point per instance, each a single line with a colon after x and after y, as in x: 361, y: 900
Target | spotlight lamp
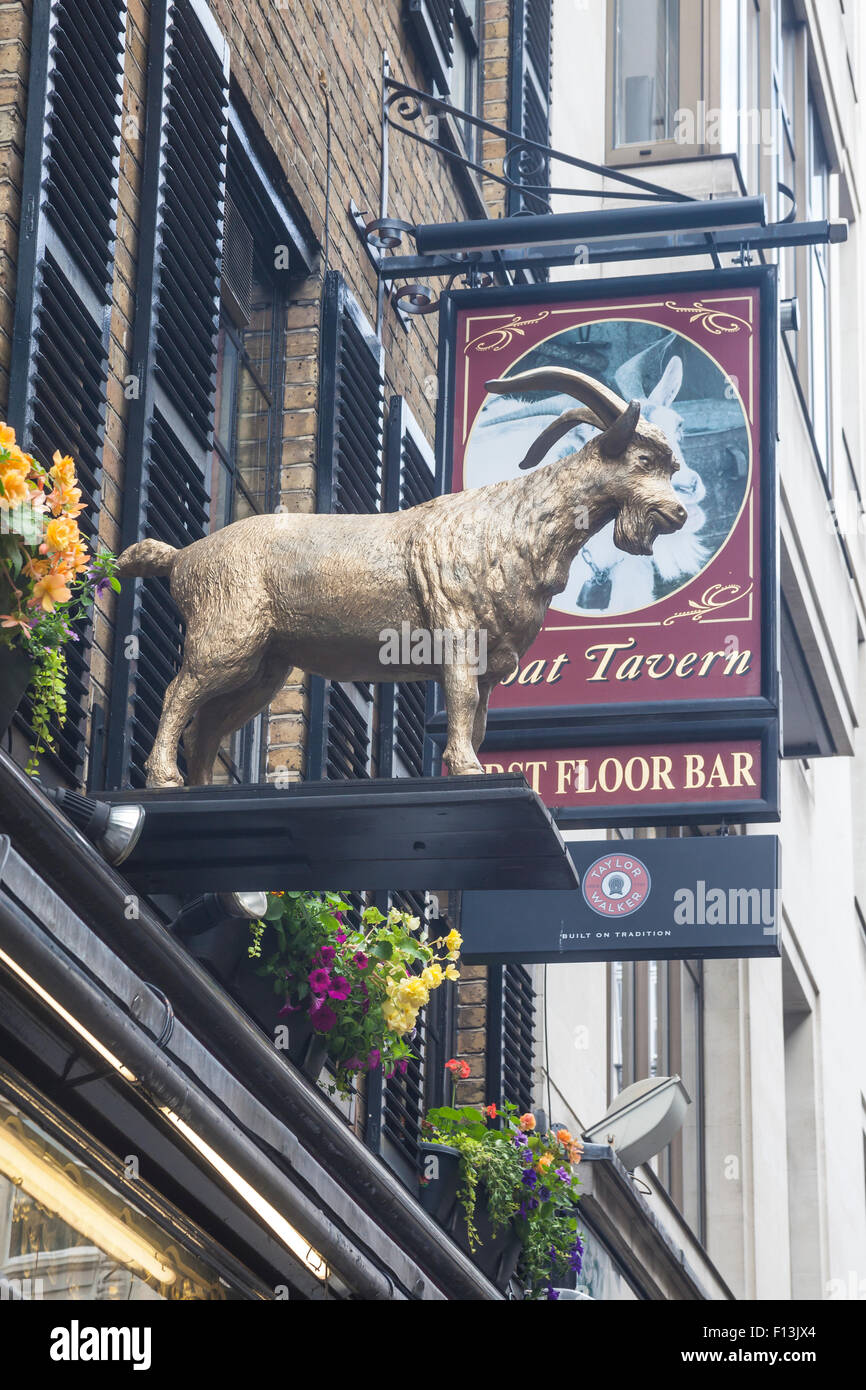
x: 114, y: 830
x: 203, y: 912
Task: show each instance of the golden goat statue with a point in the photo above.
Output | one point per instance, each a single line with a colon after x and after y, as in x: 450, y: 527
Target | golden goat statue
x: 317, y: 592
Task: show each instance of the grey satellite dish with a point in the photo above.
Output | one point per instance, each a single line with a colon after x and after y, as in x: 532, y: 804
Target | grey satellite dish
x: 643, y: 1119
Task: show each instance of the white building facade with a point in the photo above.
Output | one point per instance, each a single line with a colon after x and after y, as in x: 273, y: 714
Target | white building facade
x: 763, y: 1194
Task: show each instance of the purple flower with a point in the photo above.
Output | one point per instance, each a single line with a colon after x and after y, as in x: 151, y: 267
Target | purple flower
x: 323, y: 1018
x: 529, y: 1178
x: 374, y: 1057
x: 532, y: 1203
x: 575, y: 1260
x: 563, y: 1175
x: 339, y: 988
x: 354, y: 1064
x: 520, y: 1141
x: 340, y: 918
x: 325, y: 955
x: 552, y: 1293
x: 361, y: 960
x: 526, y: 1158
x: 320, y: 980
x: 341, y: 937
x: 402, y: 1066
x: 544, y: 1194
x: 289, y: 1008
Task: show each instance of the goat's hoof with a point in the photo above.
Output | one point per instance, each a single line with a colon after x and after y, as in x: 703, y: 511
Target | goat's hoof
x: 464, y: 768
x: 164, y: 779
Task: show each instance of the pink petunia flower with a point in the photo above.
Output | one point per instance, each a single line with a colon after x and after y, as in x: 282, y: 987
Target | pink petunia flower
x: 320, y: 980
x: 340, y: 988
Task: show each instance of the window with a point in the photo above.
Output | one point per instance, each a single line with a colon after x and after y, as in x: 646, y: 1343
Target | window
x: 655, y: 63
x: 646, y: 55
x: 244, y: 463
x: 785, y: 97
x: 655, y: 1023
x: 817, y: 204
x: 465, y: 81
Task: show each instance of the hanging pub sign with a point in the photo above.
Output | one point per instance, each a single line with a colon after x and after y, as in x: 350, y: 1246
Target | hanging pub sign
x: 702, y: 897
x: 651, y: 693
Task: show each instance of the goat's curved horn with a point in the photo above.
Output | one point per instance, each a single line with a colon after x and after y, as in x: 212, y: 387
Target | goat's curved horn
x: 554, y: 431
x: 614, y: 439
x: 607, y: 405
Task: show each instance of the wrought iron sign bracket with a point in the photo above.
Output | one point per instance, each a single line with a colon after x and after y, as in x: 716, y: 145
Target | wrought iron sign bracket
x: 666, y: 222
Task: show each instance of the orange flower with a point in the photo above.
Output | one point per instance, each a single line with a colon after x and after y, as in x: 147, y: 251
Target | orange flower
x: 15, y: 489
x: 575, y: 1151
x: 544, y: 1162
x: 51, y: 590
x: 61, y: 534
x: 7, y: 436
x: 563, y: 1136
x: 526, y: 1122
x: 63, y: 470
x: 490, y: 1111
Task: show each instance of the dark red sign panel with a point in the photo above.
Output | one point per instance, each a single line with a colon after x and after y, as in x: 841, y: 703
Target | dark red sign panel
x: 686, y: 635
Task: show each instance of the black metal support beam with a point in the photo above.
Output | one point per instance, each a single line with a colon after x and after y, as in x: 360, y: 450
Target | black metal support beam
x: 408, y: 832
x: 564, y: 228
x: 629, y: 248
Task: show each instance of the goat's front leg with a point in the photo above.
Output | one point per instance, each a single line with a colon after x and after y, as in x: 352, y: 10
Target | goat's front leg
x: 460, y: 684
x: 479, y: 724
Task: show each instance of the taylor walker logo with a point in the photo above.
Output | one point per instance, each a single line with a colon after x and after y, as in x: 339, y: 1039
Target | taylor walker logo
x: 616, y: 885
x: 77, y: 1343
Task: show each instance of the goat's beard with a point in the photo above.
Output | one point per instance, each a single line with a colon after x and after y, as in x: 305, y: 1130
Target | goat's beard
x: 635, y: 530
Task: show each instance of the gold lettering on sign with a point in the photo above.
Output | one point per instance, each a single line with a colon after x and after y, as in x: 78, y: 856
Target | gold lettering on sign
x: 569, y: 778
x: 603, y: 656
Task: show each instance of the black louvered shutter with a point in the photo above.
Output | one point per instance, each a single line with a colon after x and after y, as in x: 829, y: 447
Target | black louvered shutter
x: 410, y: 478
x: 529, y: 98
x: 59, y: 373
x: 510, y: 1035
x: 430, y: 24
x: 170, y: 422
x: 349, y: 480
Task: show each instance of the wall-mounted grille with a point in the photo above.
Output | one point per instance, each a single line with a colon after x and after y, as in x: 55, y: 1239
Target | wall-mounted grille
x: 510, y: 1035
x: 59, y: 370
x: 170, y: 422
x: 237, y: 259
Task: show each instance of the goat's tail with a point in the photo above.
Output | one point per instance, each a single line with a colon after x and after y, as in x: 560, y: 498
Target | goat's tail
x: 146, y: 558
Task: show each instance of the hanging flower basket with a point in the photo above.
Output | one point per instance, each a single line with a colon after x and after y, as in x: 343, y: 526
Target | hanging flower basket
x: 438, y: 1179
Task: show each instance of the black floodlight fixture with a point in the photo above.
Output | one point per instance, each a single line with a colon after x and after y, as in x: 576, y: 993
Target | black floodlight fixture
x: 114, y: 830
x: 205, y: 911
x: 556, y: 228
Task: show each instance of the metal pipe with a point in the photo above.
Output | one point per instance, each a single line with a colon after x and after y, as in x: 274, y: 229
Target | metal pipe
x: 595, y: 252
x: 101, y: 897
x: 165, y: 1085
x: 556, y: 228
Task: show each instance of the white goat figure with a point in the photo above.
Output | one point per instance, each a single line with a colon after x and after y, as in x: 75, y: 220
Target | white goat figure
x: 627, y: 582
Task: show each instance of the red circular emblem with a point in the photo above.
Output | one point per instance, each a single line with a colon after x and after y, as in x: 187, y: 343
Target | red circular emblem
x: 616, y: 885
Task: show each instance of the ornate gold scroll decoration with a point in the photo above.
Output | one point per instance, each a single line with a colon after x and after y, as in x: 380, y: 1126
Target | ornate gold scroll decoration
x: 710, y: 318
x: 710, y: 601
x: 503, y: 334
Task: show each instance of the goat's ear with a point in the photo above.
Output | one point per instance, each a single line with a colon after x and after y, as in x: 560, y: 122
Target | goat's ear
x: 614, y: 440
x: 549, y: 436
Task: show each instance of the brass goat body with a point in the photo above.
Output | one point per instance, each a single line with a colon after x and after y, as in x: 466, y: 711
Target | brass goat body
x: 317, y: 592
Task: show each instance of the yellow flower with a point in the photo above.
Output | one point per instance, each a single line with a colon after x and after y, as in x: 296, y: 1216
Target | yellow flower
x: 51, y: 590
x: 453, y: 942
x: 412, y: 993
x: 63, y: 470
x: 15, y: 489
x: 61, y: 533
x: 432, y: 976
x: 451, y: 972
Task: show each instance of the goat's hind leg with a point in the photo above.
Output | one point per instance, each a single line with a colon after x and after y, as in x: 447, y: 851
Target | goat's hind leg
x: 223, y: 715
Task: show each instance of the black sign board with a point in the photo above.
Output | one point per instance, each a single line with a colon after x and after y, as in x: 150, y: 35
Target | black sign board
x: 707, y: 897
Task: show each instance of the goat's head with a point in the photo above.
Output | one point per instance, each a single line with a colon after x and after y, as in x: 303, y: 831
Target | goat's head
x: 636, y: 462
